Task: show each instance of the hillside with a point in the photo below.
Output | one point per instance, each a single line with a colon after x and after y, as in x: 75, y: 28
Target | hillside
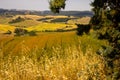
x: 41, y: 23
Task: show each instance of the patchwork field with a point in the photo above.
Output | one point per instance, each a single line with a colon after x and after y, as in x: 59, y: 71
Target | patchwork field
x: 36, y: 23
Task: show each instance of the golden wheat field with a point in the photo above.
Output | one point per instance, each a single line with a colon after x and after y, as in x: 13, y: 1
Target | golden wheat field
x: 62, y: 64
x: 51, y: 26
x: 49, y: 55
x: 4, y: 28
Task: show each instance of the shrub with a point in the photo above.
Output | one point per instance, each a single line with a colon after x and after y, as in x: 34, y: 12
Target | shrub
x: 83, y: 28
x: 60, y: 20
x: 20, y: 31
x: 18, y: 19
x: 32, y: 33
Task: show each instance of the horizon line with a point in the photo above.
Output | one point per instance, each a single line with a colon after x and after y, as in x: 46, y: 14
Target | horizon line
x: 40, y: 10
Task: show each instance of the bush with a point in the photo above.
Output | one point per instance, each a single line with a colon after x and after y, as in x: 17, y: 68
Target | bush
x: 83, y: 28
x: 18, y: 19
x: 20, y: 31
x: 32, y: 33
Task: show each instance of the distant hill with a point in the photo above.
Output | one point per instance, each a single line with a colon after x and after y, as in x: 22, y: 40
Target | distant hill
x: 71, y: 13
x: 8, y: 12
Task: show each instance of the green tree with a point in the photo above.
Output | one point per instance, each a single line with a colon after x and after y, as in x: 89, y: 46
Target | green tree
x: 18, y: 19
x: 20, y: 31
x: 106, y: 22
x: 57, y: 5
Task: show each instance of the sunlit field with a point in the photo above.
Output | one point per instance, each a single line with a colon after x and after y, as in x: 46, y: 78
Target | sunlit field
x: 60, y: 64
x: 50, y: 54
x: 60, y: 40
x: 51, y: 27
x: 5, y: 28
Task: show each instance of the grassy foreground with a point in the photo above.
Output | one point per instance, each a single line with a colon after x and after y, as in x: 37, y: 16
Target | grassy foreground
x: 62, y: 64
x: 55, y: 56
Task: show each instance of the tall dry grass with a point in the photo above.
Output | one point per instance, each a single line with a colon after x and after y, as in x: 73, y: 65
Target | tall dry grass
x: 57, y: 63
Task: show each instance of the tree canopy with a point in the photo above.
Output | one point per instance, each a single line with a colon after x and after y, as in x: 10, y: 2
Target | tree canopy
x: 57, y: 5
x: 106, y: 22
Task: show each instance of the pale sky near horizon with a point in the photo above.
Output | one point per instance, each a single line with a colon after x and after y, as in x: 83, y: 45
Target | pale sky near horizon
x: 79, y: 5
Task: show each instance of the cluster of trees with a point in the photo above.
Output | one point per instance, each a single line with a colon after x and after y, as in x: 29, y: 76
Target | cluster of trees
x: 18, y: 19
x: 20, y: 32
x: 106, y: 22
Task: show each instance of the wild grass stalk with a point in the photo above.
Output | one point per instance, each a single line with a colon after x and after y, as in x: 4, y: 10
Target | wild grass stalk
x: 56, y: 64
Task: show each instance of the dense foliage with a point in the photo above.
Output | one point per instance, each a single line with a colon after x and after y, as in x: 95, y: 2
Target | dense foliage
x: 83, y: 29
x: 20, y: 31
x: 57, y: 5
x: 18, y: 19
x: 106, y: 21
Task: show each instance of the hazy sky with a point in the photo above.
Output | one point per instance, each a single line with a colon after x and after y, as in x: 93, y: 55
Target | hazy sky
x: 43, y: 4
